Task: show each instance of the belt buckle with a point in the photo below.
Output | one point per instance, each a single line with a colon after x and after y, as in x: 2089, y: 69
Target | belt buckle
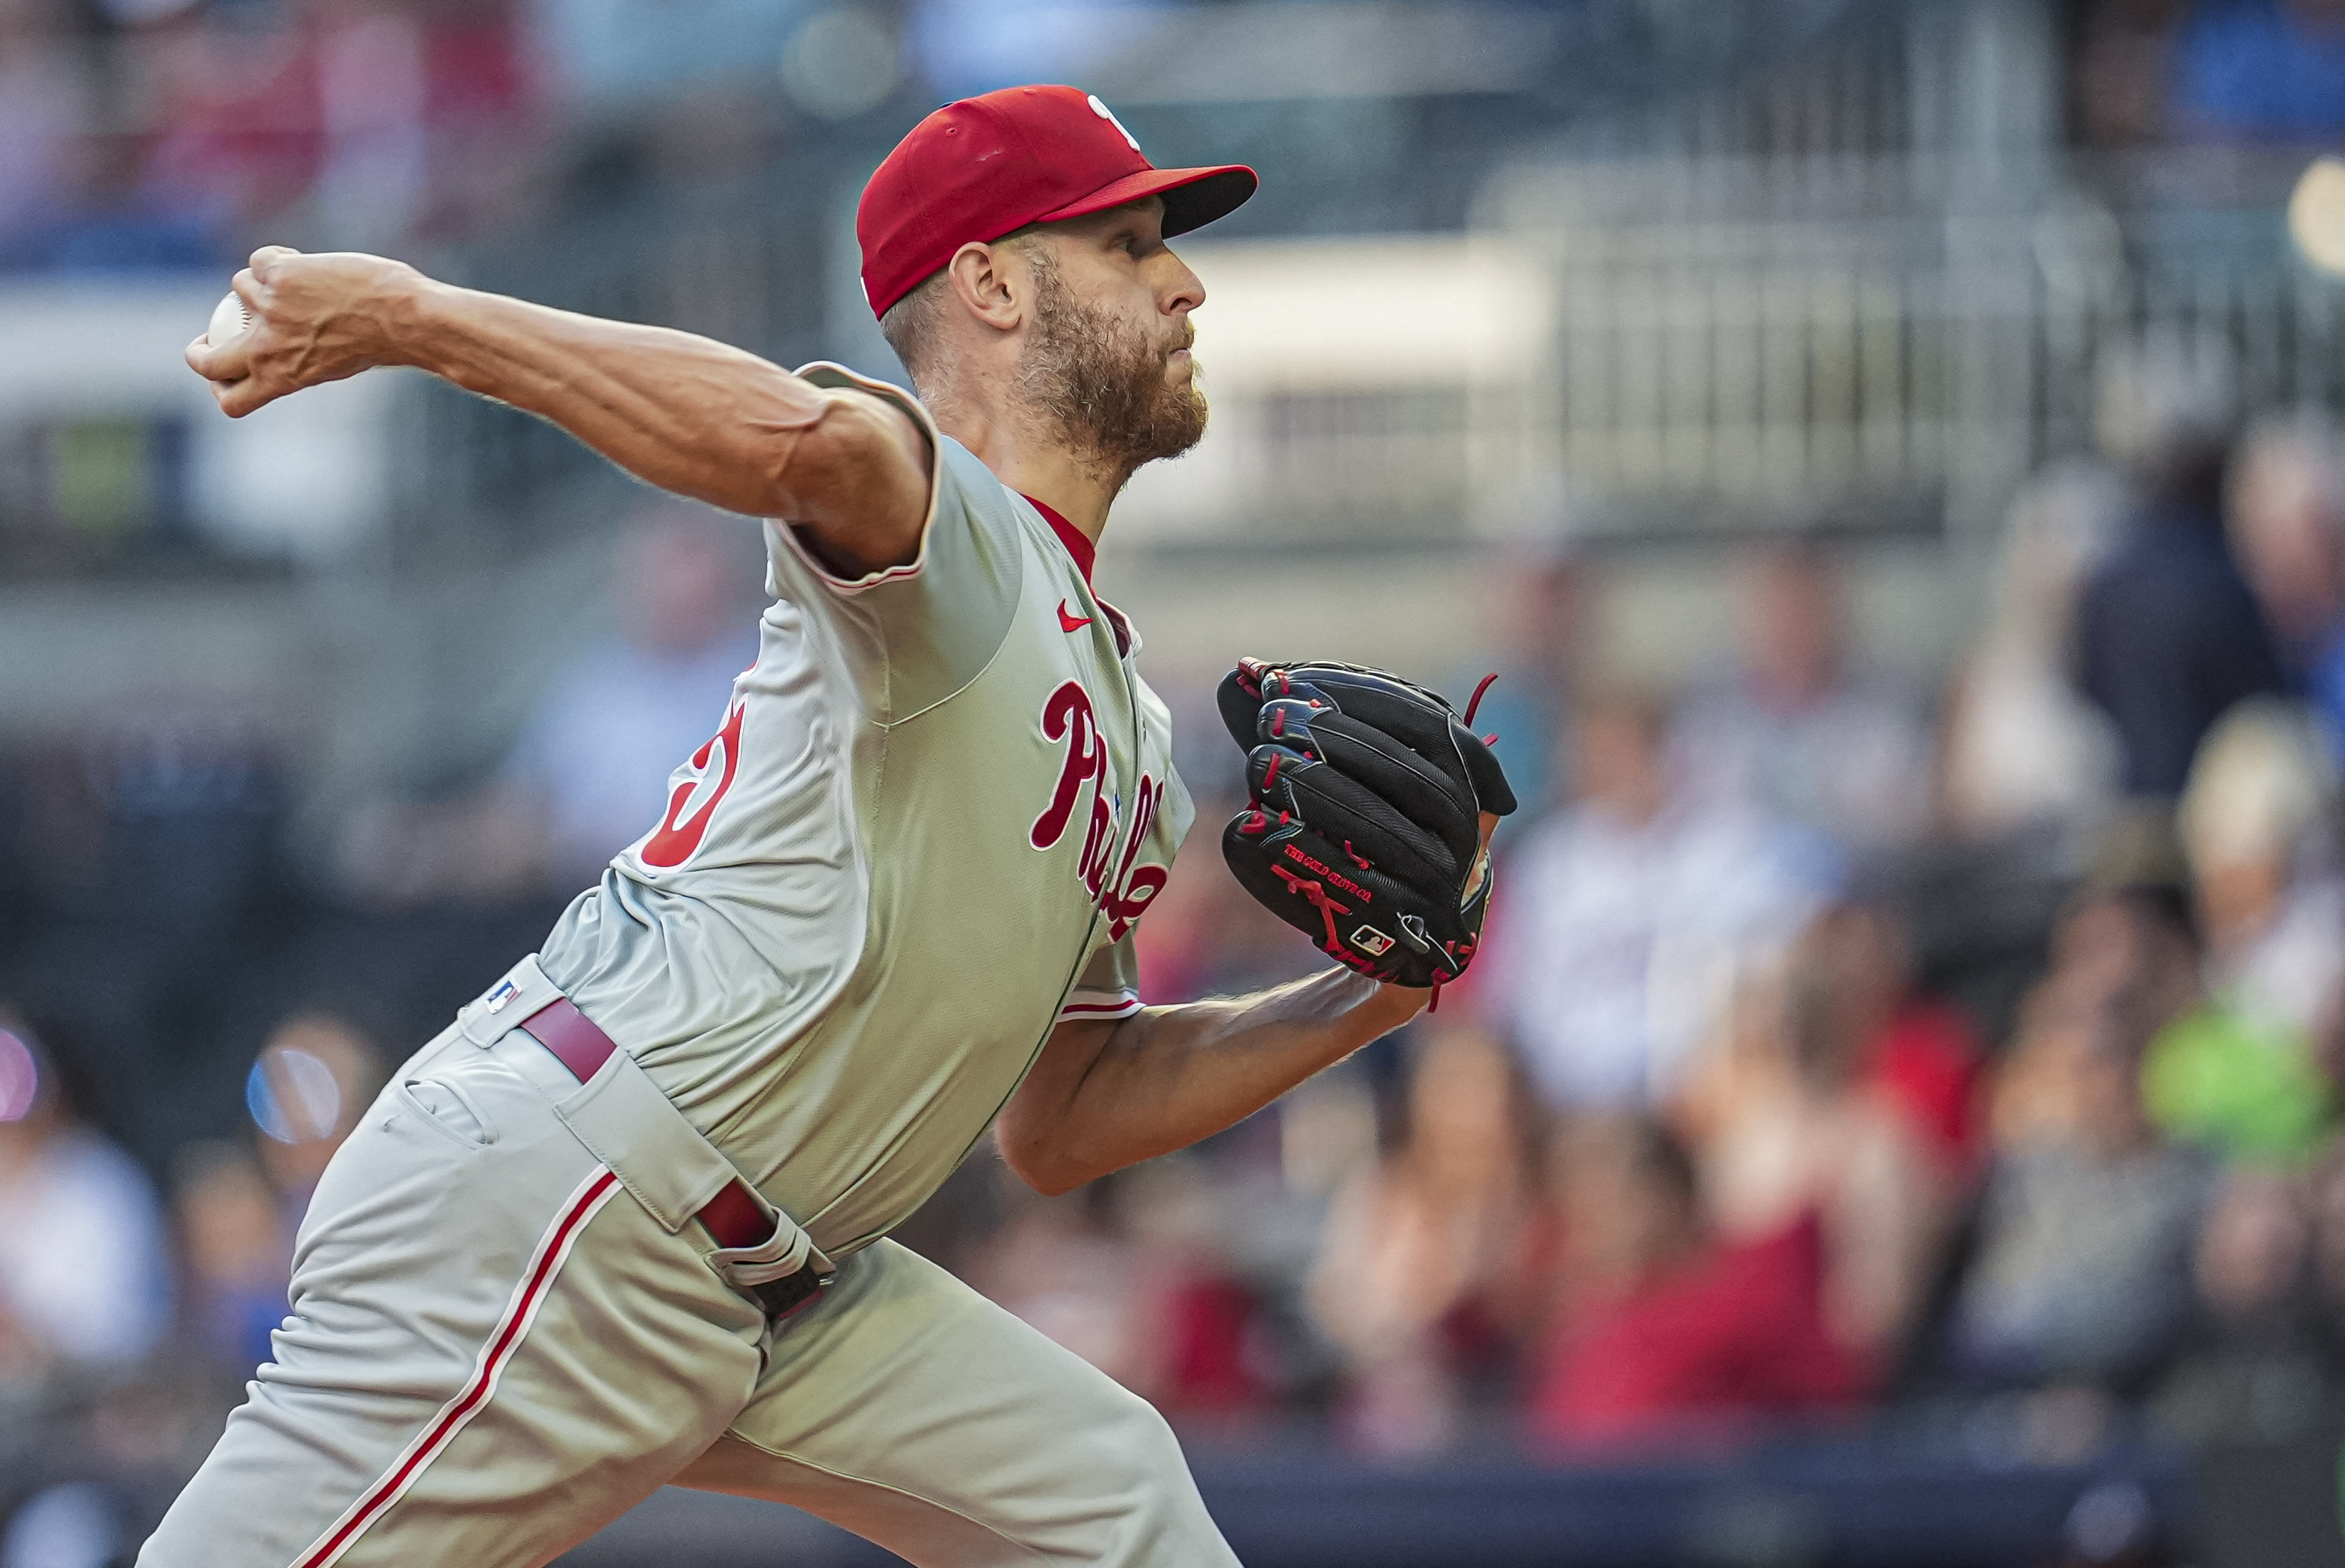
x: 787, y: 1297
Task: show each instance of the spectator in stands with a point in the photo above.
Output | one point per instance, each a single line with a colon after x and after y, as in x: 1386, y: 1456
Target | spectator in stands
x: 2023, y: 748
x: 2081, y: 1271
x: 2123, y: 69
x: 363, y: 124
x: 81, y: 1283
x: 2249, y: 1072
x: 1920, y: 1055
x: 1420, y: 1276
x: 589, y: 773
x: 2287, y: 517
x: 596, y: 757
x: 1620, y: 917
x: 2254, y: 1246
x: 2260, y: 71
x: 2256, y: 1373
x: 1818, y: 1101
x: 1137, y: 1275
x: 1547, y: 602
x: 46, y: 93
x: 2168, y: 635
x: 237, y: 1205
x: 1675, y: 1336
x: 235, y: 1252
x: 1795, y: 734
x: 108, y: 221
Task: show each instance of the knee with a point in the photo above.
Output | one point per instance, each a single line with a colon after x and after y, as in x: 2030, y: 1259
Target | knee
x: 1153, y: 1515
x: 1136, y: 1439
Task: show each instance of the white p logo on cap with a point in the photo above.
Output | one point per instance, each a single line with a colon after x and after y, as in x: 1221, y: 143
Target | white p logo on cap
x: 1103, y: 112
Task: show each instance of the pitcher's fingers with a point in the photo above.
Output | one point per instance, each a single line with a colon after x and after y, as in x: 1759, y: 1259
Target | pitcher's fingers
x: 239, y: 398
x: 219, y: 362
x: 264, y: 259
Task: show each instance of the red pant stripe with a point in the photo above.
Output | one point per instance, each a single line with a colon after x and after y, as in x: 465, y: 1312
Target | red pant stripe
x: 536, y: 1281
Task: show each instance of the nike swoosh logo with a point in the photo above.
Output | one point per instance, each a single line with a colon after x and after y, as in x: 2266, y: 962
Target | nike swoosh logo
x: 1070, y: 622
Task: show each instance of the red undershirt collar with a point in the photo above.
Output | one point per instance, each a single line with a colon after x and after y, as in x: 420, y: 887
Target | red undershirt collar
x: 1078, y: 544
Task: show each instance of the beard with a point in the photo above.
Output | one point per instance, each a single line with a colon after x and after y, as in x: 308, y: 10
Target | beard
x: 1099, y: 382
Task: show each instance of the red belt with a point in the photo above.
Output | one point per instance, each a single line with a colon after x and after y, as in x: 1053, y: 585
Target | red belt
x: 731, y: 1217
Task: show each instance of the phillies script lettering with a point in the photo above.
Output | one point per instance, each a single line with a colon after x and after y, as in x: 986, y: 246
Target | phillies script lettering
x: 1119, y: 888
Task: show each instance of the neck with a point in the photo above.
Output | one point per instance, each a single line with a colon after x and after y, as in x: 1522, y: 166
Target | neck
x: 1032, y: 462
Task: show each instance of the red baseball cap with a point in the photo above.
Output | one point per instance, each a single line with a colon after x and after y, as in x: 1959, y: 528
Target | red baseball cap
x: 985, y: 167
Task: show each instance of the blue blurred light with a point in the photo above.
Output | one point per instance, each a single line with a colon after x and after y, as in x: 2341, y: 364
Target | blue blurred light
x: 292, y: 1096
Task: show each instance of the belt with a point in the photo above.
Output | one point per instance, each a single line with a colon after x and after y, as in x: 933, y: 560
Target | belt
x: 731, y: 1217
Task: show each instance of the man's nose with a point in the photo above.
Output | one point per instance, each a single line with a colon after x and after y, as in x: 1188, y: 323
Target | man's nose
x: 1185, y: 289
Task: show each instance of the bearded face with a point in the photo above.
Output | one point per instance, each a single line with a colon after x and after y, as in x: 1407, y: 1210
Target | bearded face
x: 1100, y: 381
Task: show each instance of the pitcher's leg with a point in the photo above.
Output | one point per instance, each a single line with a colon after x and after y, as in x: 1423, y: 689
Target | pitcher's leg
x: 908, y: 1408
x: 494, y: 1351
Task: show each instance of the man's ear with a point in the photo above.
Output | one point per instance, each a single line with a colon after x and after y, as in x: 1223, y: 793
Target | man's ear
x: 991, y: 282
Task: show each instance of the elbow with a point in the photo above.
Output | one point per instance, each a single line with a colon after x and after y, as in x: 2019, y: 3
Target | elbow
x: 1056, y: 1184
x: 1047, y: 1171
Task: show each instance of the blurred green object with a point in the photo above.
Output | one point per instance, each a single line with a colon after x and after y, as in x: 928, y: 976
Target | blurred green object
x: 2244, y: 1087
x: 102, y: 476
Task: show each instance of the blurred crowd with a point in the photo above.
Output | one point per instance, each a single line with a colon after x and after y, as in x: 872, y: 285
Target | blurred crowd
x: 146, y: 134
x: 167, y: 133
x: 1835, y: 1046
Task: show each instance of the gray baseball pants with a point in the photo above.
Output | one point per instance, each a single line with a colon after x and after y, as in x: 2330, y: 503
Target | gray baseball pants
x: 502, y: 1338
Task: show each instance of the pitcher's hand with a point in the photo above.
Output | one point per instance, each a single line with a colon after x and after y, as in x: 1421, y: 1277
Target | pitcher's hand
x: 314, y: 319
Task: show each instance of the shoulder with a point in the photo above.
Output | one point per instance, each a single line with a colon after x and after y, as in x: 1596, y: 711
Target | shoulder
x: 957, y: 469
x: 837, y: 377
x: 964, y: 499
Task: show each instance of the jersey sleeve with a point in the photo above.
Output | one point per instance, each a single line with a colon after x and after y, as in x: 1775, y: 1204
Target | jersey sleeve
x: 1109, y: 987
x: 931, y: 624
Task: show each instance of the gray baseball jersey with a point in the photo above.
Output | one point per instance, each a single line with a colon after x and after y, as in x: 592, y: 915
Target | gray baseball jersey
x: 941, y: 798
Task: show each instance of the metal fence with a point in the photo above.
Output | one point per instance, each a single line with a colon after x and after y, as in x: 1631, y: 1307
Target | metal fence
x: 1723, y: 354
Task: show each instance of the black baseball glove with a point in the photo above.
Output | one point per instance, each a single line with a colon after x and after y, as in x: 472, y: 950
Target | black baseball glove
x: 1365, y: 831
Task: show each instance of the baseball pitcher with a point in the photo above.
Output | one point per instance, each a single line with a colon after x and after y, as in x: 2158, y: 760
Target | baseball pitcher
x: 624, y: 1222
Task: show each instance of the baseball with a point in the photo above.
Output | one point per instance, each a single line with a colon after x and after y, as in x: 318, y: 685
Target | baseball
x: 229, y: 319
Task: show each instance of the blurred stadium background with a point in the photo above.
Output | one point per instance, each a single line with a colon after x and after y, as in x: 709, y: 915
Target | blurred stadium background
x: 1889, y: 450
